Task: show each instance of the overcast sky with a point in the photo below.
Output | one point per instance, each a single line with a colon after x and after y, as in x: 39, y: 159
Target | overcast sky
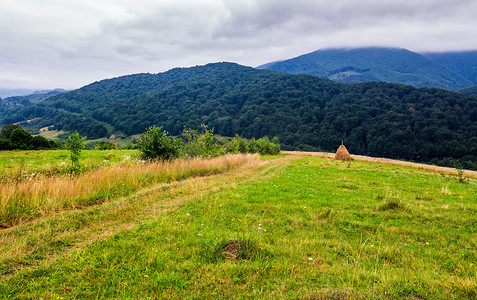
x: 70, y: 43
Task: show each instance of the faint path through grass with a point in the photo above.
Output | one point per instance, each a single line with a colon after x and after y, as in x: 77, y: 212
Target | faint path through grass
x: 27, y: 245
x: 282, y: 227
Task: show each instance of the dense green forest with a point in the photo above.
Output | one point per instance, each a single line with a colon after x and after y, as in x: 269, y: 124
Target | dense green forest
x: 304, y: 112
x: 391, y: 65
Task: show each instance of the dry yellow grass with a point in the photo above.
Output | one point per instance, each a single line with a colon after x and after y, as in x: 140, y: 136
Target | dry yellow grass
x: 33, y: 198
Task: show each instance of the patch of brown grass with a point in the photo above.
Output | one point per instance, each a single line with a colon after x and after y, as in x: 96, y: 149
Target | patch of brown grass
x: 93, y: 223
x: 33, y: 198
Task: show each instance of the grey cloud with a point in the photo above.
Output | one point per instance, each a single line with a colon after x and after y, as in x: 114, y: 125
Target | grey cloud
x: 69, y: 43
x: 321, y: 16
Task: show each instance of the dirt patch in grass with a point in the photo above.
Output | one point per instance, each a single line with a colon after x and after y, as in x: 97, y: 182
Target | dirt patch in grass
x: 232, y: 250
x: 241, y: 251
x: 391, y: 204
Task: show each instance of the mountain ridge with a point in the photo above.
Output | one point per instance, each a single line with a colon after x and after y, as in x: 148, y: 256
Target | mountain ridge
x: 462, y: 62
x: 392, y: 65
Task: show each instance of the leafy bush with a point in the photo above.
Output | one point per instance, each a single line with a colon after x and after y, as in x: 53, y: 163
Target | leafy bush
x: 130, y: 146
x: 262, y: 145
x: 155, y: 143
x: 201, y: 144
x: 238, y: 145
x: 105, y: 146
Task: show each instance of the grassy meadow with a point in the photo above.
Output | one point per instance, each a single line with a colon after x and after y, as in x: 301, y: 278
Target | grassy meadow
x: 286, y: 226
x: 43, y: 159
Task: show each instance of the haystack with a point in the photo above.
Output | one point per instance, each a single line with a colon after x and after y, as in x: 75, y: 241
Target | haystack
x: 342, y: 153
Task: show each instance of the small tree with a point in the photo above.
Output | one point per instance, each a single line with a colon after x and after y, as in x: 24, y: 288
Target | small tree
x: 105, y: 146
x: 264, y: 146
x: 39, y: 142
x: 201, y: 144
x: 275, y: 146
x: 155, y: 143
x: 252, y: 146
x: 460, y: 172
x: 7, y: 130
x: 238, y: 145
x: 21, y: 139
x: 75, y: 144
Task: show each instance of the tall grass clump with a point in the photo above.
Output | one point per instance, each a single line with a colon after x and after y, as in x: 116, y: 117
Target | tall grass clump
x: 28, y: 199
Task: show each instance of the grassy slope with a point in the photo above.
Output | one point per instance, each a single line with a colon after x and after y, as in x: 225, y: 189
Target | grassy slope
x: 307, y: 227
x: 43, y: 159
x: 31, y: 195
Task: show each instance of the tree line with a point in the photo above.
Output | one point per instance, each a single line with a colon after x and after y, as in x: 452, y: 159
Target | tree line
x: 156, y: 143
x: 14, y: 137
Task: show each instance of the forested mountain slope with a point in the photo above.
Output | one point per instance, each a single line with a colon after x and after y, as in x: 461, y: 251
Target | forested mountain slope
x: 305, y: 112
x: 463, y: 63
x: 472, y: 91
x: 373, y: 64
x: 11, y: 105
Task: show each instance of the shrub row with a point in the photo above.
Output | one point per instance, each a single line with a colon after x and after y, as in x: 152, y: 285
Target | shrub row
x: 156, y: 143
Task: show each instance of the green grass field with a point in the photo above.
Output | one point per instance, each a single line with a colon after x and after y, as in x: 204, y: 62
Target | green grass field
x: 46, y: 158
x: 276, y: 227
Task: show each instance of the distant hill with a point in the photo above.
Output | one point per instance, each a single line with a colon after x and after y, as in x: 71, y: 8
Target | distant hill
x: 472, y: 91
x: 305, y: 112
x: 373, y: 64
x: 12, y: 104
x: 5, y: 93
x: 36, y: 96
x: 463, y: 63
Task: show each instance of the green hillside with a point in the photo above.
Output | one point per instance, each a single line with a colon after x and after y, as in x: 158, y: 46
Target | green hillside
x: 11, y: 105
x: 373, y: 64
x: 305, y: 112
